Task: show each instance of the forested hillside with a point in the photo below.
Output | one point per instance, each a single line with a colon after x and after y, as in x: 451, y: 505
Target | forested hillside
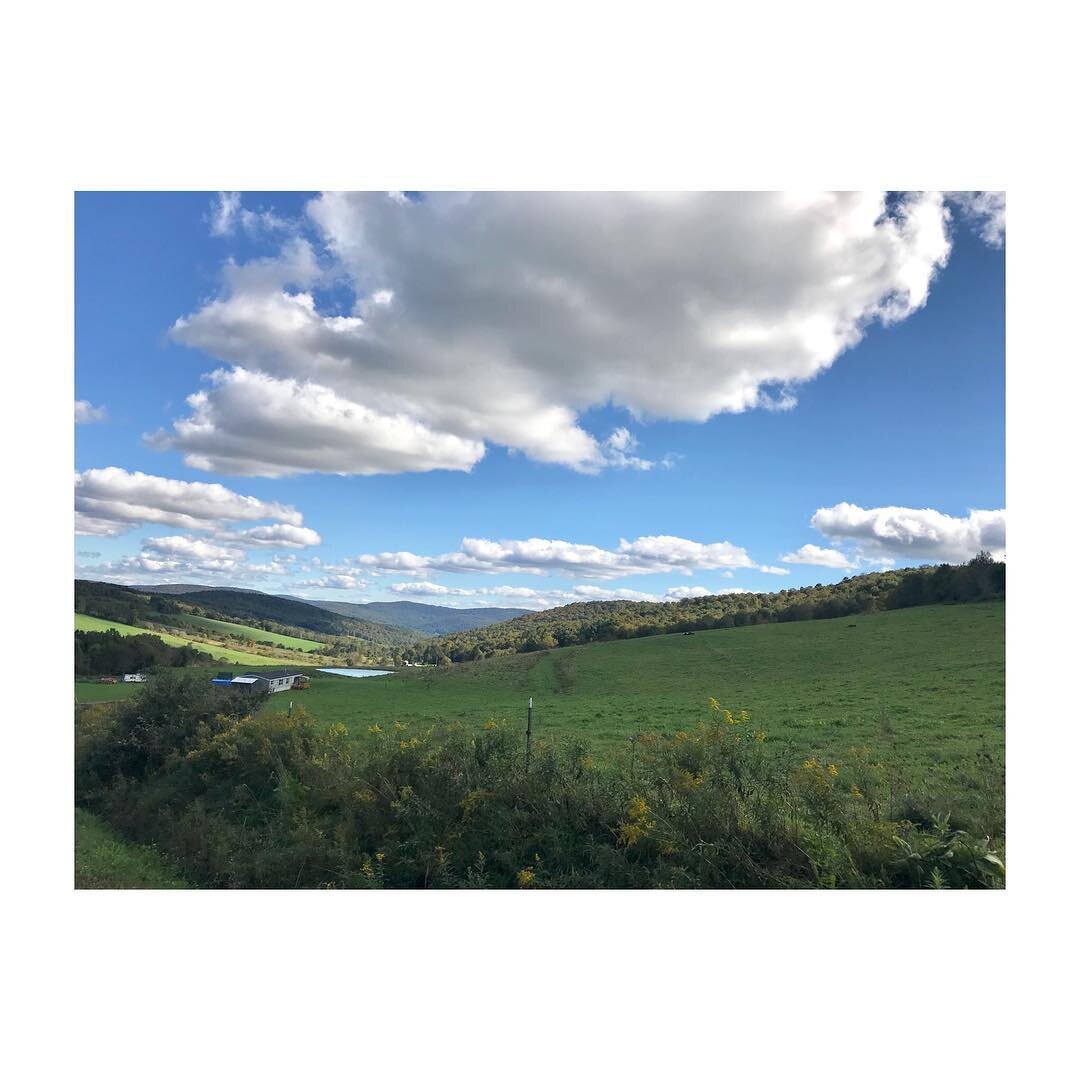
x: 272, y: 612
x: 575, y: 624
x: 423, y: 618
x: 133, y: 607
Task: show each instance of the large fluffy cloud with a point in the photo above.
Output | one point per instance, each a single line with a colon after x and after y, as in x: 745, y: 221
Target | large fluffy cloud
x: 187, y: 559
x: 903, y: 533
x: 645, y: 555
x: 112, y: 501
x: 502, y: 317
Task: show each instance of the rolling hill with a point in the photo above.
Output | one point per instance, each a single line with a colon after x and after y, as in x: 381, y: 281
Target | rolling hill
x: 423, y: 618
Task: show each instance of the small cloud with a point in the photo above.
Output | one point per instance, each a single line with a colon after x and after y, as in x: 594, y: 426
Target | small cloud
x: 85, y: 413
x: 812, y: 555
x: 984, y: 211
x: 773, y: 570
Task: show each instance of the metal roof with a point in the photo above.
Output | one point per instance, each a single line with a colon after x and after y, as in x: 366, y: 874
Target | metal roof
x: 247, y: 679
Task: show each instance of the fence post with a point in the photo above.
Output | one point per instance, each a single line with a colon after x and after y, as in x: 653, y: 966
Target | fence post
x: 528, y: 738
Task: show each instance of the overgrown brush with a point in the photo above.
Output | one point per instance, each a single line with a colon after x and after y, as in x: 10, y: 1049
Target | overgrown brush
x: 275, y: 802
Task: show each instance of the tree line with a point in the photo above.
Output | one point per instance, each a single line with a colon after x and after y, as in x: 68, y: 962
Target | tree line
x: 111, y: 653
x: 576, y: 624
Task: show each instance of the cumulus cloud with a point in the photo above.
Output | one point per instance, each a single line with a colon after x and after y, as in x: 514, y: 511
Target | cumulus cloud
x: 686, y: 592
x: 774, y: 570
x: 85, y: 413
x: 500, y: 318
x: 277, y: 536
x: 228, y: 215
x: 897, y: 532
x: 537, y: 599
x: 343, y: 580
x: 812, y: 555
x: 645, y: 555
x: 985, y: 211
x: 314, y: 428
x: 112, y: 501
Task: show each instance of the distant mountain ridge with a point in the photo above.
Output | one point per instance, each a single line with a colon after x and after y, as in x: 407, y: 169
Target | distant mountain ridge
x: 423, y: 618
x: 429, y: 619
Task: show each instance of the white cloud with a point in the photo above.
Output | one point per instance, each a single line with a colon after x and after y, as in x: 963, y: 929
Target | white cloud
x: 112, y: 501
x: 85, y: 413
x: 618, y: 451
x: 344, y: 580
x: 773, y: 570
x: 228, y: 214
x: 511, y: 314
x: 812, y: 555
x: 985, y: 210
x: 279, y: 536
x: 645, y: 555
x: 540, y: 599
x: 897, y: 532
x: 313, y: 428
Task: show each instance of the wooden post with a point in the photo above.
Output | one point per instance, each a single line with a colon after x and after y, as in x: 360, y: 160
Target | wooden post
x: 528, y: 738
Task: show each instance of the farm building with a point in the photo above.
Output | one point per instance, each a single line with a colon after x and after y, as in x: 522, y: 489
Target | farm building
x: 263, y: 682
x: 138, y: 677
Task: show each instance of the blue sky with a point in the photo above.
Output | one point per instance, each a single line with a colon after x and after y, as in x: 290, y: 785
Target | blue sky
x: 677, y: 393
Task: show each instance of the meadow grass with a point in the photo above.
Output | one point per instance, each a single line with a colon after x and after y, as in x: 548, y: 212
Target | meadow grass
x: 87, y: 692
x: 252, y: 633
x: 920, y: 688
x: 218, y: 652
x: 103, y: 860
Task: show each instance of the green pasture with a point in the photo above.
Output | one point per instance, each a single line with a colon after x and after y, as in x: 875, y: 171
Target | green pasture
x: 252, y: 633
x: 922, y: 688
x: 92, y: 691
x: 218, y: 652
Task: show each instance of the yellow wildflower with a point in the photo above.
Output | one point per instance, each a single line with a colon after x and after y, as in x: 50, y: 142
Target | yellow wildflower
x: 526, y: 878
x: 759, y: 735
x: 833, y: 770
x: 375, y: 729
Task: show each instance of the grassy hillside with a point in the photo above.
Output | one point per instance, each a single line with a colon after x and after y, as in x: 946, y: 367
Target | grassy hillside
x: 923, y: 688
x: 612, y: 620
x: 291, y: 613
x: 252, y: 633
x: 230, y: 656
x: 103, y: 860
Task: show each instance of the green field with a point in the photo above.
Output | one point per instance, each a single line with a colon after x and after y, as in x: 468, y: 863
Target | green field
x: 252, y: 633
x: 87, y: 692
x: 218, y: 652
x: 923, y: 688
x: 103, y: 860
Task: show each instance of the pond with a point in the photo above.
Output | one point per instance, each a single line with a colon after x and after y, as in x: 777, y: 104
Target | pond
x: 354, y: 672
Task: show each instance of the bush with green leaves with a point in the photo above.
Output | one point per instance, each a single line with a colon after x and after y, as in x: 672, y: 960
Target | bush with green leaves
x: 276, y: 802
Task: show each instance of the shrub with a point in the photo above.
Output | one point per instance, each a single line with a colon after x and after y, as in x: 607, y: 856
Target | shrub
x: 274, y: 801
